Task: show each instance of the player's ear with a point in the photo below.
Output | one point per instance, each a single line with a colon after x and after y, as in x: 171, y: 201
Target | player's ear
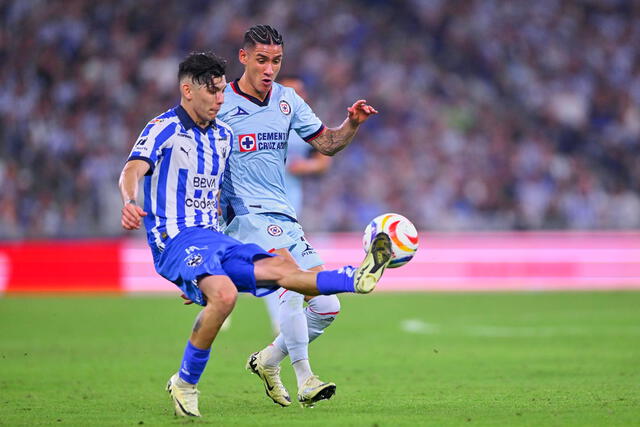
x: 243, y: 56
x: 185, y: 90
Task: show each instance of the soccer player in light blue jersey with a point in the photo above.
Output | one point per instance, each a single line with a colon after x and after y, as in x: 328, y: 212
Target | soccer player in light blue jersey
x: 183, y: 156
x: 255, y: 204
x: 302, y: 161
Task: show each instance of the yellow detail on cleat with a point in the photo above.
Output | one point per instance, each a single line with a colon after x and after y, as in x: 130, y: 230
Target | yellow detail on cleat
x: 376, y: 260
x: 270, y: 377
x: 314, y: 390
x: 184, y: 396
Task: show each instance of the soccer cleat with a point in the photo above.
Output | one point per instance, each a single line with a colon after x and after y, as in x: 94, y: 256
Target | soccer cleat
x: 184, y: 396
x: 270, y: 376
x: 313, y: 390
x: 376, y: 260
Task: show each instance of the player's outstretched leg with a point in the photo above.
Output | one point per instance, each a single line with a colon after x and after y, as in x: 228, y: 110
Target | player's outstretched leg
x: 362, y: 280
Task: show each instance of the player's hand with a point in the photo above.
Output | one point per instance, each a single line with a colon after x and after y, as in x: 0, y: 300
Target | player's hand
x: 132, y: 216
x: 360, y: 111
x: 188, y: 301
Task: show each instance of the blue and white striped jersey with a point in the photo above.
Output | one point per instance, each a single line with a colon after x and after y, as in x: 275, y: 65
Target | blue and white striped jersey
x: 254, y: 181
x: 187, y: 167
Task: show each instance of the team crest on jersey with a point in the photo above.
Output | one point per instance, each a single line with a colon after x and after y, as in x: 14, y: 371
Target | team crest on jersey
x: 194, y: 260
x: 274, y: 230
x: 285, y: 107
x: 247, y: 142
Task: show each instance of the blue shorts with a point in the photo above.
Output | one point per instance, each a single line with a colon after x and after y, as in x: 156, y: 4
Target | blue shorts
x: 197, y: 252
x: 275, y: 231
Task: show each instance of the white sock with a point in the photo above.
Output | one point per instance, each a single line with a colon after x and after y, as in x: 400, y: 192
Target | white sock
x: 273, y: 355
x: 294, y: 334
x: 303, y: 371
x: 320, y: 313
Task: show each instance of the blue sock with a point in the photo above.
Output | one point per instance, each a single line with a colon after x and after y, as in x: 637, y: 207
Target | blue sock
x: 336, y: 281
x: 193, y: 363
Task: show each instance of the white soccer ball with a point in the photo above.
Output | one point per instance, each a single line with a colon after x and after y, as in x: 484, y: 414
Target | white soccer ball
x: 403, y: 234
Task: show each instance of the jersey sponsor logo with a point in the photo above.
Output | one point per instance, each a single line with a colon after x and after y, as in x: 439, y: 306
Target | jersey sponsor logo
x: 185, y: 151
x: 184, y: 135
x: 204, y: 182
x: 203, y: 204
x: 274, y: 230
x: 308, y: 250
x: 240, y: 112
x: 194, y: 260
x: 247, y: 142
x: 141, y: 141
x: 285, y: 107
x: 154, y: 121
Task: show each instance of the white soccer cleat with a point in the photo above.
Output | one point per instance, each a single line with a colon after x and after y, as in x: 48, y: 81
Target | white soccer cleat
x: 184, y: 396
x: 376, y: 260
x: 270, y: 376
x: 313, y: 390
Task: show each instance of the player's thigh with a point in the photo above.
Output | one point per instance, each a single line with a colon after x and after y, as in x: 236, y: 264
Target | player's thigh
x: 274, y: 269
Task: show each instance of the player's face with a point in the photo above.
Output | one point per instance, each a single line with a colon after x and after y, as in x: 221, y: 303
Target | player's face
x: 207, y: 99
x: 261, y: 66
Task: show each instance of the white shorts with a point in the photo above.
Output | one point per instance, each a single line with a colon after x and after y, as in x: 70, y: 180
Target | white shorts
x: 275, y: 231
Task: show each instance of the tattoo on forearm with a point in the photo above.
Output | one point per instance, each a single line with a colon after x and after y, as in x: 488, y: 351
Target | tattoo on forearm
x: 333, y: 140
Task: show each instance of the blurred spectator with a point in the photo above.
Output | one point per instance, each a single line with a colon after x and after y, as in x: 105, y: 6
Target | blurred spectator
x: 494, y: 114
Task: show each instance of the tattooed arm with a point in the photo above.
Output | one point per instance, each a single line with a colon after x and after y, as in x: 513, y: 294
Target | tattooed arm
x: 333, y: 140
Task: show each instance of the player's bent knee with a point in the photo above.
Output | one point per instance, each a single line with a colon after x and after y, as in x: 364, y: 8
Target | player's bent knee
x: 325, y: 305
x: 219, y: 289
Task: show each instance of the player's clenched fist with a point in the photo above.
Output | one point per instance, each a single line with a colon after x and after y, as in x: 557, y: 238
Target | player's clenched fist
x: 360, y: 111
x: 131, y: 216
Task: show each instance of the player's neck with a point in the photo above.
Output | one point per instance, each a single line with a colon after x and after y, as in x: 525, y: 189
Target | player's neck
x: 191, y: 112
x: 246, y: 87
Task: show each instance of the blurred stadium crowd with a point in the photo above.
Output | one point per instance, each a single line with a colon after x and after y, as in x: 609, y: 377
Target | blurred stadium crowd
x: 494, y: 114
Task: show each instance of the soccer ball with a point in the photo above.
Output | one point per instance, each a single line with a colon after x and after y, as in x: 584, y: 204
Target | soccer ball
x: 403, y: 234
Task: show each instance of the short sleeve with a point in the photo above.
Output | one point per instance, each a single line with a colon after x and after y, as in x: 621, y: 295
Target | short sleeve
x: 150, y: 142
x: 304, y: 121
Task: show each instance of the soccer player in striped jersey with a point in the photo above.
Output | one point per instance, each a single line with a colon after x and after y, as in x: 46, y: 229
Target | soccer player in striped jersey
x: 183, y: 156
x: 255, y: 205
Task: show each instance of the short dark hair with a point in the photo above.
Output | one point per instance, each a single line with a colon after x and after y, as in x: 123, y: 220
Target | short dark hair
x: 263, y: 34
x: 202, y: 67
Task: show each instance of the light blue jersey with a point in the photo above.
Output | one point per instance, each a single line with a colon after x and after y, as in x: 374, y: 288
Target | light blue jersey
x: 298, y: 150
x: 191, y: 162
x: 254, y: 181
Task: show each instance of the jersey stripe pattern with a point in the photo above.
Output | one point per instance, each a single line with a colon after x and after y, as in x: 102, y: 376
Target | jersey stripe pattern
x: 254, y: 182
x: 187, y: 166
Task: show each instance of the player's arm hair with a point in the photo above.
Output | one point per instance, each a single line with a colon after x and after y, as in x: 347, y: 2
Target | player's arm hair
x: 129, y: 177
x: 334, y: 140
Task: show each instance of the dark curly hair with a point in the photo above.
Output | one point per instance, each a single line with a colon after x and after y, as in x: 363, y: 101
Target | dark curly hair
x: 202, y: 67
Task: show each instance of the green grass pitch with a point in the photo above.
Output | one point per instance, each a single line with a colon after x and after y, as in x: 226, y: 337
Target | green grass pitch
x: 397, y: 359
